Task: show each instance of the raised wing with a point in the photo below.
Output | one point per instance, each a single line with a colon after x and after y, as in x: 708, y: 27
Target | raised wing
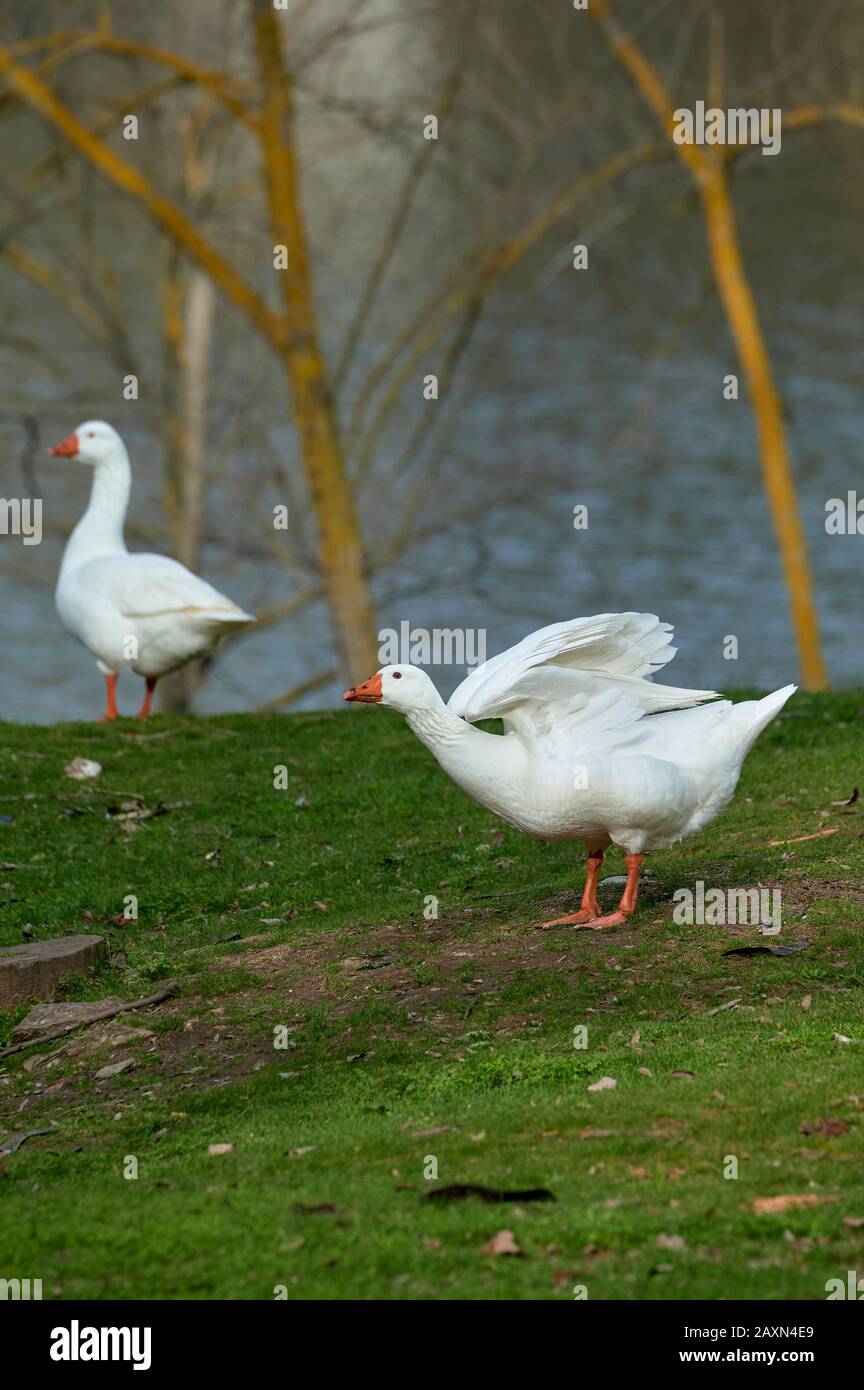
x: 577, y: 683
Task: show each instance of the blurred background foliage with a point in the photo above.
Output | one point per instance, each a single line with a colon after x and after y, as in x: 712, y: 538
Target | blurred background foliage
x: 303, y: 387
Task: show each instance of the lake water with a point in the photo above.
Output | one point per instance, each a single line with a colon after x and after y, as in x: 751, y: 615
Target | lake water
x: 601, y: 388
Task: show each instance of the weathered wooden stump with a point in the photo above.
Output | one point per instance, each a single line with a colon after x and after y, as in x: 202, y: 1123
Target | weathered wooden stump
x: 34, y: 970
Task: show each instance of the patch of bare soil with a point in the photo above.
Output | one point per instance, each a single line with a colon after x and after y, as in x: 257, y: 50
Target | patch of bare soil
x: 441, y: 973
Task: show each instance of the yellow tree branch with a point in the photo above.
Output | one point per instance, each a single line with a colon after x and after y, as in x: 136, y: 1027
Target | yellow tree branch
x: 61, y: 152
x: 340, y: 546
x: 646, y: 80
x: 58, y: 287
x: 727, y: 263
x: 802, y: 117
x: 34, y: 92
x: 78, y: 42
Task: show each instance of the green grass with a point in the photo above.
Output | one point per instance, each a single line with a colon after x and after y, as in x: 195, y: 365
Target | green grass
x: 468, y: 1031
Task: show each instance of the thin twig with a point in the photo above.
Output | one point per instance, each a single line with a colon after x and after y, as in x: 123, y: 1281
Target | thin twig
x: 170, y: 988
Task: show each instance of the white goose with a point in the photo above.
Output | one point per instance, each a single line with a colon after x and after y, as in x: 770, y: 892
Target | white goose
x: 146, y: 612
x: 589, y: 753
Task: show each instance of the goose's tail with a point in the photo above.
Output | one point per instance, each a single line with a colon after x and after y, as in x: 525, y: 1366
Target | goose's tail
x: 752, y: 716
x: 220, y: 619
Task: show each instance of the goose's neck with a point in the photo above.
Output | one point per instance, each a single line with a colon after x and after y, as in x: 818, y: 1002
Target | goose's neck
x: 100, y: 530
x: 486, y: 766
x: 437, y: 727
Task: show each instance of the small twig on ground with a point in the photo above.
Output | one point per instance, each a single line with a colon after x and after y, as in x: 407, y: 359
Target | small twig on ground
x: 170, y: 988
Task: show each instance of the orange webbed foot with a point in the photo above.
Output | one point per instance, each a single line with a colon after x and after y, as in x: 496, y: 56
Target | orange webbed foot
x: 613, y: 919
x: 575, y: 919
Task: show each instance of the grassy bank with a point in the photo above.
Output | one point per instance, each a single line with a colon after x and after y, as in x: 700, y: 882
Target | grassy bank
x: 412, y: 1042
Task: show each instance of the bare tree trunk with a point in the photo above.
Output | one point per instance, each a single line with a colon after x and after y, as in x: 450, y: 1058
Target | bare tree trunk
x: 743, y: 319
x: 197, y: 341
x: 340, y: 547
x: 170, y: 421
x: 709, y: 176
x: 189, y: 338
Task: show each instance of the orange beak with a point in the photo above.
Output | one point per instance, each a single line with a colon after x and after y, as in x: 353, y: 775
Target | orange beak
x: 366, y: 693
x: 67, y: 449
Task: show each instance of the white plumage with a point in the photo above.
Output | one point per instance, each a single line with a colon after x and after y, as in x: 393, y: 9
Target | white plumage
x: 593, y: 750
x: 145, y: 612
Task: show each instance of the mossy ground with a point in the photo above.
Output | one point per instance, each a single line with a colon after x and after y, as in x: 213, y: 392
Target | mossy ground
x: 276, y: 908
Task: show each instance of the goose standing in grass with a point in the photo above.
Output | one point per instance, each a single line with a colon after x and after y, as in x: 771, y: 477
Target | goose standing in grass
x: 593, y: 750
x: 147, y: 612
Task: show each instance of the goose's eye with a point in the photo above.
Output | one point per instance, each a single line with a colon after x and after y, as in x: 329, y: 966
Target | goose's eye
x: 397, y: 675
x: 91, y: 434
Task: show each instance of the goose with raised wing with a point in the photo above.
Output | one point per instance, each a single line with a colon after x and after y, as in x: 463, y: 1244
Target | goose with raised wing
x: 593, y: 749
x: 145, y: 612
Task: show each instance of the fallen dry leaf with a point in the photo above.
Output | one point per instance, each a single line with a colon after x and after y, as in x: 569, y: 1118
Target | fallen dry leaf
x: 606, y: 1083
x: 214, y: 1150
x: 806, y: 1001
x: 829, y: 1129
x: 114, y: 1068
x: 664, y: 1242
x: 771, y: 1206
x: 854, y: 1223
x: 502, y: 1244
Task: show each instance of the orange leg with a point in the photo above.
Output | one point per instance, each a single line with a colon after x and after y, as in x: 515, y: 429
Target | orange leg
x: 111, y: 711
x: 148, y: 698
x: 627, y: 905
x: 590, y: 907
